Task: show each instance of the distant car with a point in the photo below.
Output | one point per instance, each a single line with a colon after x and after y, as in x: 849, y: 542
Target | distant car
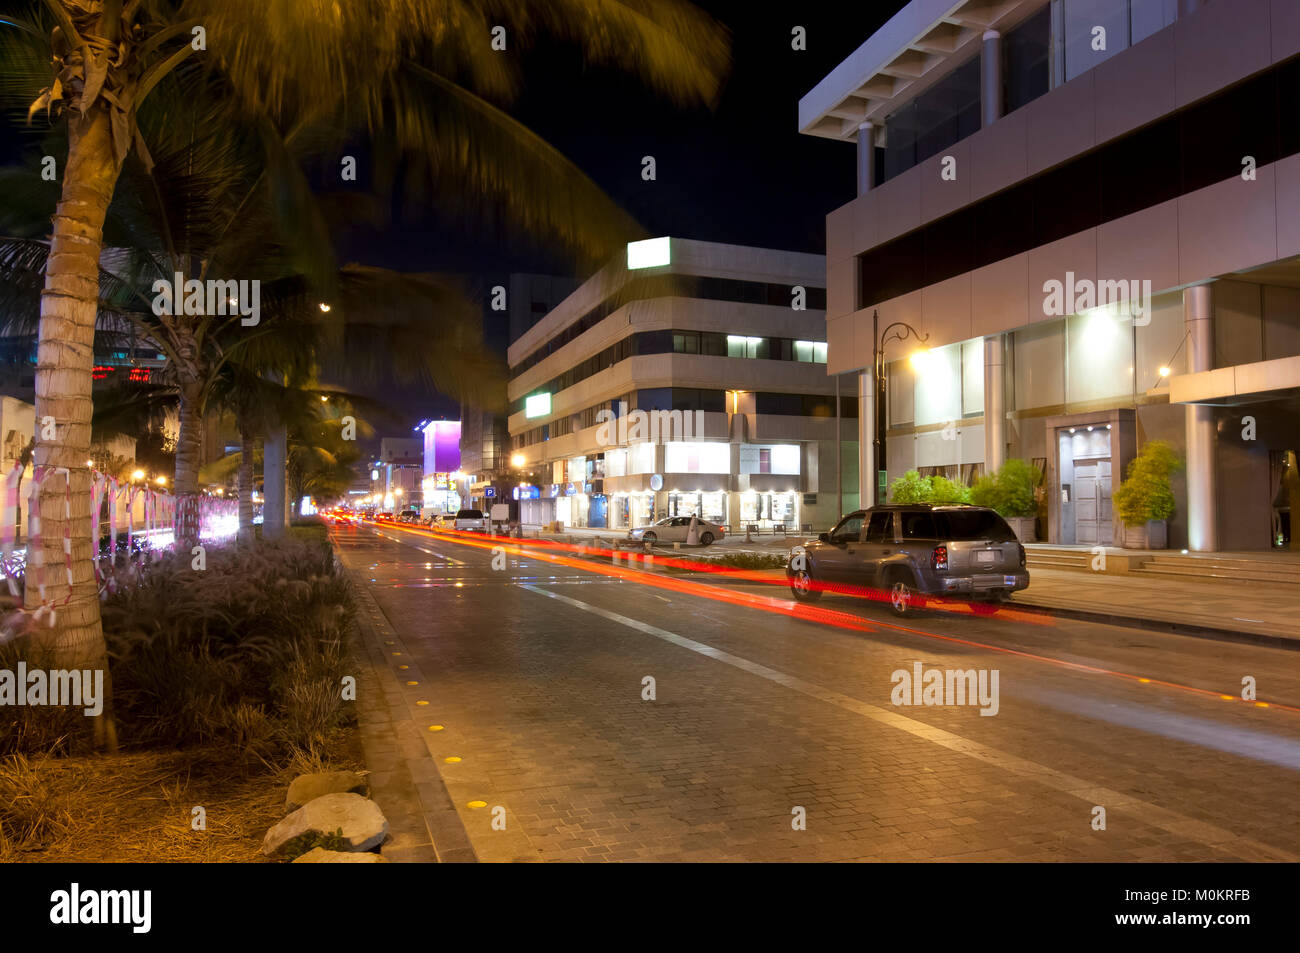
x: 675, y: 529
x: 383, y: 517
x: 472, y: 521
x: 408, y: 516
x: 912, y: 551
x: 442, y: 521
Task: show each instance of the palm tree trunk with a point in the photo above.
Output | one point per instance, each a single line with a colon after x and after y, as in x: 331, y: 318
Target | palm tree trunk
x: 246, y: 451
x: 65, y: 357
x: 188, y: 450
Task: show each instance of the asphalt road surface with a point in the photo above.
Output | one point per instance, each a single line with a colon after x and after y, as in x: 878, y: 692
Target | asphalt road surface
x: 773, y: 732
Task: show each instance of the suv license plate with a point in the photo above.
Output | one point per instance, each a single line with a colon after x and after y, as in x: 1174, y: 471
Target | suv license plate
x: 985, y: 557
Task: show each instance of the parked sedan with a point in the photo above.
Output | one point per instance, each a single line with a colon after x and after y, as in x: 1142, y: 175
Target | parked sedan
x: 913, y: 551
x: 674, y: 529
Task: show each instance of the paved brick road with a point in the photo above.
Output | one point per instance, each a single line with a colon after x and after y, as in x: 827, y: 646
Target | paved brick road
x: 535, y: 674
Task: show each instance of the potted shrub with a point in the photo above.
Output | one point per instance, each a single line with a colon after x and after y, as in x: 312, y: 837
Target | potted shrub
x: 1013, y: 492
x: 1144, y: 502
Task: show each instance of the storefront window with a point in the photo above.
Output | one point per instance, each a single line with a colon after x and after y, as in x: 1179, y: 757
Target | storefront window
x: 783, y: 508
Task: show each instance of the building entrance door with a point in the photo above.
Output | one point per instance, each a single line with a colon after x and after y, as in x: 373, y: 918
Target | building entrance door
x: 1093, y: 525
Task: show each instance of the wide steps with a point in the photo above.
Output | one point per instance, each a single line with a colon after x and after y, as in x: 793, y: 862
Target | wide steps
x: 1058, y: 560
x: 1234, y: 572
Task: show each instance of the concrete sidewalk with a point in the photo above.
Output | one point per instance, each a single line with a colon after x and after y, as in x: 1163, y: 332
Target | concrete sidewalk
x: 1225, y: 608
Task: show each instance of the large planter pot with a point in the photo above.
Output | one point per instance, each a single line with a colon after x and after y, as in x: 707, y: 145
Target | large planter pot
x: 1024, y: 528
x: 1150, y: 535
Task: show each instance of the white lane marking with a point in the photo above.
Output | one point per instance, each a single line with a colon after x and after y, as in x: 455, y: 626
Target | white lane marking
x: 450, y: 560
x: 1177, y: 824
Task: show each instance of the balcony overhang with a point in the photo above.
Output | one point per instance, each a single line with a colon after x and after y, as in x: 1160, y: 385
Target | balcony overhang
x: 918, y: 45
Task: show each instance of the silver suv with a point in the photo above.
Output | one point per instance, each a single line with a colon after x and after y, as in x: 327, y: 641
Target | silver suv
x: 907, y: 552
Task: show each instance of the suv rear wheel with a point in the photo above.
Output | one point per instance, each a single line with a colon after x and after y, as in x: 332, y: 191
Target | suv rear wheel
x: 904, y: 598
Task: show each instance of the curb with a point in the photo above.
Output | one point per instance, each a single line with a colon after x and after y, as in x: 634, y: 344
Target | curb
x: 424, y: 825
x: 1169, y: 626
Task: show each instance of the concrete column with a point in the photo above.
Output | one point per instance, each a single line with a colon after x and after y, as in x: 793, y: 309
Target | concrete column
x: 274, y: 452
x: 995, y: 405
x: 866, y: 438
x: 1202, y: 508
x: 1058, y: 45
x: 991, y: 78
x: 866, y: 157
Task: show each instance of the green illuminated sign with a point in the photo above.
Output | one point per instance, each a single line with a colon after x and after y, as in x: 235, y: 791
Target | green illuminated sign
x: 539, y: 405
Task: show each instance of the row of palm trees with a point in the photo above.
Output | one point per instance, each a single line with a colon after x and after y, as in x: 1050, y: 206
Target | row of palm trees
x: 182, y: 130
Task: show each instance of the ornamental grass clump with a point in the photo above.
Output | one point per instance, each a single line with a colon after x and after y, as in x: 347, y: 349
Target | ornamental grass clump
x: 249, y: 651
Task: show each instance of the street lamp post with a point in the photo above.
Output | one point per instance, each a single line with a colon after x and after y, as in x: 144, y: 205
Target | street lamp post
x: 879, y: 339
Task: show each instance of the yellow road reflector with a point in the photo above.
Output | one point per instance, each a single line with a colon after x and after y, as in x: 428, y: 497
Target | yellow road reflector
x: 422, y: 702
x: 437, y: 727
x: 413, y: 683
x: 452, y: 760
x: 1229, y: 698
x: 477, y: 804
x: 1145, y: 681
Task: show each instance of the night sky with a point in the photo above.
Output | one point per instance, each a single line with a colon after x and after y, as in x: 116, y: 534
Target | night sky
x: 741, y: 174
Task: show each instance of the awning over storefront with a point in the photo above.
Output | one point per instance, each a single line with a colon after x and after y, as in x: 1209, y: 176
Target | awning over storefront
x: 1242, y: 384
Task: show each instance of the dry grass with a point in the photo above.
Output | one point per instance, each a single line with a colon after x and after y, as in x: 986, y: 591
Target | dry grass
x: 137, y: 808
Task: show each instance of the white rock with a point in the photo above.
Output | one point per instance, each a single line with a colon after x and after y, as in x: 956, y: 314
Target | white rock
x: 363, y: 824
x: 319, y: 855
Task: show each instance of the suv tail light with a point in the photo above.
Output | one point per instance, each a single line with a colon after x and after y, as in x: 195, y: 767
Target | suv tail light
x: 939, y: 558
x: 1022, y: 556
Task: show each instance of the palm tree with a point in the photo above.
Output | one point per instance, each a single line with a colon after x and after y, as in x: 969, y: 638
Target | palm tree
x: 314, y: 75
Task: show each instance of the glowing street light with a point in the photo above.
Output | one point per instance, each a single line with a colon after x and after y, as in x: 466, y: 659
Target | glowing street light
x: 518, y: 460
x: 162, y: 481
x: 1165, y: 371
x: 137, y: 475
x: 324, y: 307
x: 879, y: 338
